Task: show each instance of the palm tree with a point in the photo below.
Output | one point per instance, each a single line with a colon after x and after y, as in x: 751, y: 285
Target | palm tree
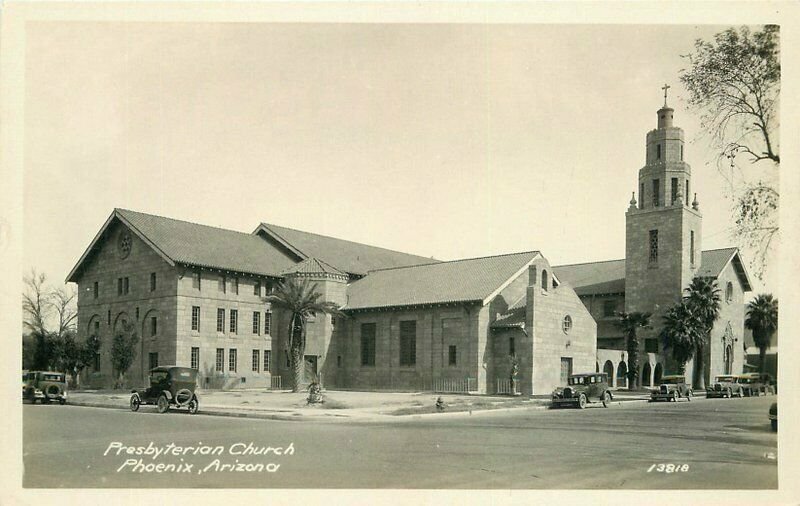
x: 681, y: 333
x: 630, y: 323
x: 762, y: 319
x: 301, y: 299
x: 702, y: 296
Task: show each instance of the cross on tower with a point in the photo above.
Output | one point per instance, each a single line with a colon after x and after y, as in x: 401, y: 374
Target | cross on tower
x: 665, y: 88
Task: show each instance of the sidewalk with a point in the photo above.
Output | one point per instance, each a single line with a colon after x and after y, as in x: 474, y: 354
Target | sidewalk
x: 339, y: 404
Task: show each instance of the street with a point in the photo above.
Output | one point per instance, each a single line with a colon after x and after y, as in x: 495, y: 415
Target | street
x: 707, y: 444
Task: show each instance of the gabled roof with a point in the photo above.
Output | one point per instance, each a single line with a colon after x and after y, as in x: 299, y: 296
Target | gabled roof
x: 594, y: 278
x: 348, y: 256
x: 182, y: 242
x: 608, y: 277
x: 313, y: 266
x: 469, y: 280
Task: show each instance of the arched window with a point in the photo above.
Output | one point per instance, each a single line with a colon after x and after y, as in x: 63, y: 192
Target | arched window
x: 729, y: 292
x: 566, y: 324
x: 544, y: 279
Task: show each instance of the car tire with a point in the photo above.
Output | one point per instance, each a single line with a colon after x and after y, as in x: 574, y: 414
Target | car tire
x: 606, y: 399
x: 729, y: 394
x: 62, y: 401
x: 135, y: 403
x: 582, y: 401
x: 674, y: 397
x: 162, y: 404
x: 194, y: 405
x: 774, y: 425
x: 689, y: 395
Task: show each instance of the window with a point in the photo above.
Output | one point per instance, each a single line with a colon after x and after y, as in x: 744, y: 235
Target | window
x: 234, y: 321
x: 267, y: 323
x: 451, y: 355
x: 96, y: 289
x: 256, y: 322
x: 257, y: 288
x: 681, y: 151
x: 153, y: 360
x: 153, y: 326
x: 656, y: 193
x: 653, y: 246
x: 651, y: 345
x: 687, y: 192
x: 641, y: 195
x: 137, y: 313
x: 368, y: 344
x: 221, y: 285
x: 195, y: 359
x: 609, y: 308
x: 196, y: 280
x: 338, y: 361
x: 729, y: 292
x: 256, y: 360
x: 152, y: 281
x: 109, y: 317
x: 96, y: 365
x: 512, y: 346
x: 96, y: 328
x: 267, y: 360
x: 674, y: 190
x: 408, y: 343
x: 119, y: 286
x: 691, y: 247
x: 196, y: 318
x: 544, y: 280
x: 236, y: 286
x: 126, y: 285
x: 220, y: 359
x: 232, y: 360
x: 658, y: 151
x: 220, y: 320
x: 566, y: 324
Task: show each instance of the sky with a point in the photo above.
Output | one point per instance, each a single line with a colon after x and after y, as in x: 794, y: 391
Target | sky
x: 443, y: 140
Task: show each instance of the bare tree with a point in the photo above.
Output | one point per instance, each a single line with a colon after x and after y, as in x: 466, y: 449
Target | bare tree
x: 735, y: 82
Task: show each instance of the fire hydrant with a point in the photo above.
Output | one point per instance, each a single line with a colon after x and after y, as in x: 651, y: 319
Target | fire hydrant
x: 439, y: 404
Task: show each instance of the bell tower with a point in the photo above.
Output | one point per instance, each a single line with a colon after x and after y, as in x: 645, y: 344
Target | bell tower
x: 662, y: 228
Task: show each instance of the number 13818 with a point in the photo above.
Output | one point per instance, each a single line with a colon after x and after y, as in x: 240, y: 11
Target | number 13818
x: 668, y: 468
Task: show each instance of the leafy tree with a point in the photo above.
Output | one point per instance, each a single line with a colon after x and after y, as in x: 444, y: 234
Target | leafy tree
x: 702, y: 297
x: 123, y: 351
x: 630, y: 323
x: 301, y: 299
x: 735, y: 81
x: 680, y: 333
x: 762, y: 319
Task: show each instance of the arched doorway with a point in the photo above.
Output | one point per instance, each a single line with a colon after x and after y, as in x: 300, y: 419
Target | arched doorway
x: 622, y: 378
x: 728, y: 359
x: 608, y: 368
x: 657, y: 373
x: 646, y: 375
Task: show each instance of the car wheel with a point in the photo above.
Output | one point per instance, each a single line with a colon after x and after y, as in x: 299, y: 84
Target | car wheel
x: 582, y: 401
x: 163, y: 404
x: 194, y: 404
x: 135, y: 402
x: 689, y: 395
x: 674, y: 397
x: 606, y: 399
x: 774, y: 425
x: 62, y: 401
x: 729, y: 394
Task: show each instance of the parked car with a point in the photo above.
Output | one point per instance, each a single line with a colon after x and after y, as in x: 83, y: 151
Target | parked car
x: 169, y: 386
x: 582, y: 389
x: 768, y: 384
x: 726, y: 385
x: 45, y: 386
x: 755, y: 384
x: 773, y: 415
x: 672, y: 388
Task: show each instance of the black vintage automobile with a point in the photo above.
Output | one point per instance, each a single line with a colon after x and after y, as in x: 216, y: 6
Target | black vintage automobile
x: 582, y: 389
x: 169, y: 386
x: 44, y: 386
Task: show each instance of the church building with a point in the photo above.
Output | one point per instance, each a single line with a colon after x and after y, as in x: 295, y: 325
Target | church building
x: 195, y: 296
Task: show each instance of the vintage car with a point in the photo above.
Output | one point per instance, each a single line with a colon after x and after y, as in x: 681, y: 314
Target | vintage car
x: 45, y: 386
x: 169, y: 386
x: 582, y: 389
x: 773, y: 415
x: 725, y: 385
x: 755, y: 384
x: 671, y: 388
x: 768, y: 383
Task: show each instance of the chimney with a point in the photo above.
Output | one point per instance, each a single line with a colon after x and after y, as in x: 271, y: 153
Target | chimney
x: 532, y: 275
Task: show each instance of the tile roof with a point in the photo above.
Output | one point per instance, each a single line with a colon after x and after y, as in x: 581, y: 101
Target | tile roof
x: 608, y: 276
x: 347, y: 256
x: 201, y: 245
x: 594, y: 277
x: 472, y: 279
x: 313, y: 266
